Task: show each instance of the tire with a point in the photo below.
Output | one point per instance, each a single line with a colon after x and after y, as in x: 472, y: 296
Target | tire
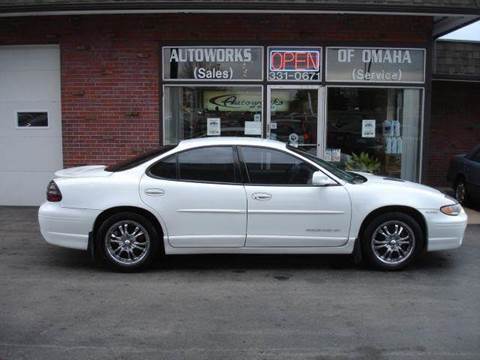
x: 127, y: 242
x: 461, y: 193
x: 391, y: 241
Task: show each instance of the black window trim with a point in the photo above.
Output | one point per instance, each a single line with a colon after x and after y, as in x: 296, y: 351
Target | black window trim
x: 286, y: 152
x: 143, y: 158
x: 236, y: 165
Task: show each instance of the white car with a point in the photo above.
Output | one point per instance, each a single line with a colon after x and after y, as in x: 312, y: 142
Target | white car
x: 244, y: 196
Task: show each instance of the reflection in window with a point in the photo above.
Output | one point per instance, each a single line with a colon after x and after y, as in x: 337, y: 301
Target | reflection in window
x: 267, y: 166
x: 32, y: 119
x: 375, y: 130
x: 213, y: 164
x: 199, y: 111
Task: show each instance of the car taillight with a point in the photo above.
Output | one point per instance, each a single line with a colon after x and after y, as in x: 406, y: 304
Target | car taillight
x: 53, y: 192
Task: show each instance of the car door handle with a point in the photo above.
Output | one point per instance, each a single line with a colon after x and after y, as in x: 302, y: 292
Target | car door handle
x: 155, y: 192
x: 261, y: 196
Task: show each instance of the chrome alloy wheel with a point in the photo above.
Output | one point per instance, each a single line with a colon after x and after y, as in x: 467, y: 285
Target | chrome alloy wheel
x: 127, y: 242
x: 393, y: 242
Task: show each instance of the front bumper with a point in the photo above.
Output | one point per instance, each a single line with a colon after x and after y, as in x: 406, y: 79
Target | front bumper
x: 66, y: 227
x: 444, y: 231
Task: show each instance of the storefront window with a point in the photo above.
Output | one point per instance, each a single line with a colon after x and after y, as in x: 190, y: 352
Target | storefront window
x: 375, y: 130
x: 199, y: 111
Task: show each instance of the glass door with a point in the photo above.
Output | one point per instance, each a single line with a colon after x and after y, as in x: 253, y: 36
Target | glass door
x: 295, y: 116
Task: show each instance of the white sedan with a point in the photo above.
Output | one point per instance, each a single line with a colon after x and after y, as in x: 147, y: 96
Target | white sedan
x: 244, y: 195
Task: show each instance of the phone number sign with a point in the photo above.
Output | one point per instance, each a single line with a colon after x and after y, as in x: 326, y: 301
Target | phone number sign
x: 294, y: 64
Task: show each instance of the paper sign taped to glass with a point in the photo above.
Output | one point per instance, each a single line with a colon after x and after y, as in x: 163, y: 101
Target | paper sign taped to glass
x: 213, y: 127
x: 253, y: 128
x: 333, y: 155
x: 368, y: 128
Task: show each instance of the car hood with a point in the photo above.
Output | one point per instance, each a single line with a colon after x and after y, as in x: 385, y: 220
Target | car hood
x: 403, y: 184
x: 83, y: 171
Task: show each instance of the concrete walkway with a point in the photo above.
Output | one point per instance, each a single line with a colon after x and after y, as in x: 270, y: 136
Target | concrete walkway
x: 473, y: 216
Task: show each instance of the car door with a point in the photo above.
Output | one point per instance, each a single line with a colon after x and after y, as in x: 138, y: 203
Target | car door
x: 198, y: 194
x: 284, y: 209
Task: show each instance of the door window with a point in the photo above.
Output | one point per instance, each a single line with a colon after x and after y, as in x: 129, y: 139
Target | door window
x: 268, y: 166
x: 294, y: 117
x: 208, y: 164
x: 32, y: 119
x: 476, y: 157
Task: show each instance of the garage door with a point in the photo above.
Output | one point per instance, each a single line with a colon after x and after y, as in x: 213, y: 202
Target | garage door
x: 30, y: 122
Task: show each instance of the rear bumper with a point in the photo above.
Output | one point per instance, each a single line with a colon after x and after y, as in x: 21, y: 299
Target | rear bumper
x: 445, y: 232
x: 66, y: 227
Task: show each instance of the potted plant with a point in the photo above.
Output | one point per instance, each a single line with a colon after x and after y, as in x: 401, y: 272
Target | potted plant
x: 363, y: 162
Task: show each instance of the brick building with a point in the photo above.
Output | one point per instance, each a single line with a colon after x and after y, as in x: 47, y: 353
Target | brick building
x: 455, y: 109
x: 93, y: 82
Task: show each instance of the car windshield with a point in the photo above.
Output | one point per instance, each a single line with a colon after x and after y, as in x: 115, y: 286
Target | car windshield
x: 342, y: 174
x: 139, y: 159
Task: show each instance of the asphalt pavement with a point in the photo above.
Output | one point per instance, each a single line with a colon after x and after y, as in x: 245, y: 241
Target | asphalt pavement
x: 56, y: 304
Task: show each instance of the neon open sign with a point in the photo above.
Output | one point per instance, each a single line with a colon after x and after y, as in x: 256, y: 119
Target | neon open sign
x: 294, y: 64
x: 295, y: 60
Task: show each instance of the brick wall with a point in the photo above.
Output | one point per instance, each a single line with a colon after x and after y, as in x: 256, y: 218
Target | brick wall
x: 455, y: 125
x: 110, y: 64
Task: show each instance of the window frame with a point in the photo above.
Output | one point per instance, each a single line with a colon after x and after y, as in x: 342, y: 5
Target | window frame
x: 238, y: 174
x: 32, y: 127
x: 247, y: 175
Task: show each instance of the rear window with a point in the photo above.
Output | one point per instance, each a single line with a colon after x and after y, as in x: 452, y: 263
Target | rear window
x: 139, y: 159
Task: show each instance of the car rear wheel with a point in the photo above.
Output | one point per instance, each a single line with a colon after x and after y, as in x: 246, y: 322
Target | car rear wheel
x: 391, y: 241
x: 127, y: 241
x: 461, y: 192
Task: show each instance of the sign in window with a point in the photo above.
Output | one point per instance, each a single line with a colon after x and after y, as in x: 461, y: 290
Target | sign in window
x: 213, y: 63
x: 394, y: 65
x: 294, y: 64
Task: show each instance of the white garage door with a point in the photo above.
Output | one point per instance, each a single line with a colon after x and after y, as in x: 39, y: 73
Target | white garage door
x: 30, y: 122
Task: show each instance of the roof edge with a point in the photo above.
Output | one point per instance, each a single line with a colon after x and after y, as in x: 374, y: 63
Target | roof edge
x: 458, y: 78
x: 217, y: 6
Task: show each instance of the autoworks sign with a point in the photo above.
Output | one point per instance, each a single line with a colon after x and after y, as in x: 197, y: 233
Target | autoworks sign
x: 212, y: 63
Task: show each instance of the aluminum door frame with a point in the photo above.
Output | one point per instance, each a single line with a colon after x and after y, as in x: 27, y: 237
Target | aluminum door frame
x: 321, y: 111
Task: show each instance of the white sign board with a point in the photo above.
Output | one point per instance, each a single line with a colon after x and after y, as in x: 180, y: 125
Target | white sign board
x: 368, y: 128
x: 253, y: 128
x: 213, y: 127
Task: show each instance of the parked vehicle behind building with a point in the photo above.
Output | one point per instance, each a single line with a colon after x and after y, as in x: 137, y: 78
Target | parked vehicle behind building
x: 464, y: 177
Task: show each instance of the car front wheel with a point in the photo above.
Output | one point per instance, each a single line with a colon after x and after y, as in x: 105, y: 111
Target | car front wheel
x: 127, y: 241
x: 391, y: 241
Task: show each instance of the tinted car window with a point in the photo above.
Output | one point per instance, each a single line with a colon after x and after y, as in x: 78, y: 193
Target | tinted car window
x: 267, y: 166
x: 165, y: 168
x: 139, y: 159
x: 211, y: 164
x: 476, y: 156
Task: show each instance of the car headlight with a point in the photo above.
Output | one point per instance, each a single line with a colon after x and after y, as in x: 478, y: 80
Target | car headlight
x: 452, y: 210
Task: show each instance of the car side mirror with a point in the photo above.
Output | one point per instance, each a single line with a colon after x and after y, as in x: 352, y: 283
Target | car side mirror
x: 320, y: 179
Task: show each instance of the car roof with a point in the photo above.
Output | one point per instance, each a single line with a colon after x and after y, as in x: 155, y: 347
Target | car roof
x: 230, y: 140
